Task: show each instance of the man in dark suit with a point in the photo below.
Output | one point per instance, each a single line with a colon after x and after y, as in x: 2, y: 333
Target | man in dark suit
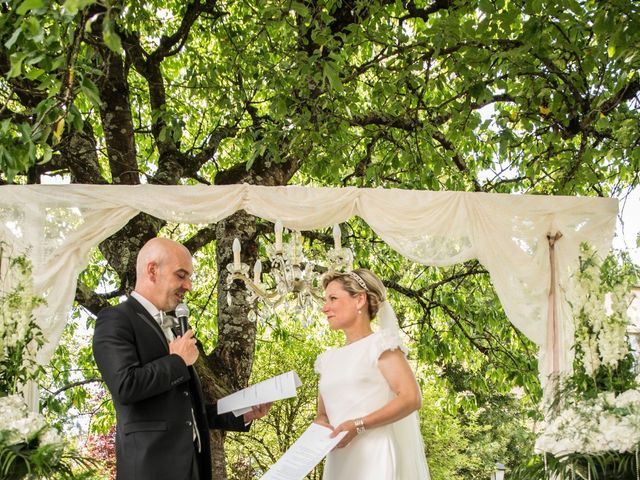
x: 161, y: 417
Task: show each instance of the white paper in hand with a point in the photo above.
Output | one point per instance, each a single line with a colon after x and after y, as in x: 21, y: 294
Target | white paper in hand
x: 276, y: 388
x: 309, y: 450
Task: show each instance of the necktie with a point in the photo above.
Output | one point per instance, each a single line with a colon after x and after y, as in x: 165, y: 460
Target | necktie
x: 166, y: 322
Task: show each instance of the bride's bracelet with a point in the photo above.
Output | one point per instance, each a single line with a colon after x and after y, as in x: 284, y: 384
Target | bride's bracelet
x: 359, y: 423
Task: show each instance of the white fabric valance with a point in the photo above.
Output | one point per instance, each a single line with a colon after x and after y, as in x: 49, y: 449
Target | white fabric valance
x: 60, y: 224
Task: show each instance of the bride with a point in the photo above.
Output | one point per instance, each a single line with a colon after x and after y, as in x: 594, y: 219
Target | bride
x: 367, y: 387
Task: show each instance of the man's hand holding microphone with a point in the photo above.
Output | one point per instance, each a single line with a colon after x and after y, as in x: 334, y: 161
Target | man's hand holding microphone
x: 184, y: 345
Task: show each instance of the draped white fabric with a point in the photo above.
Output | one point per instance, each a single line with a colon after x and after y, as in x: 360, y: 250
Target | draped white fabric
x: 60, y: 224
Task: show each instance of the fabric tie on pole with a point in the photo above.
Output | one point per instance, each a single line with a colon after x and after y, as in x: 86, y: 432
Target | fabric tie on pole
x: 552, y: 313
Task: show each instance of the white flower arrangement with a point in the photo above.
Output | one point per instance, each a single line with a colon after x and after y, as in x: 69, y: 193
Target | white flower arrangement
x: 19, y: 425
x: 593, y: 421
x: 20, y: 335
x: 600, y: 331
x: 29, y: 447
x: 608, y: 422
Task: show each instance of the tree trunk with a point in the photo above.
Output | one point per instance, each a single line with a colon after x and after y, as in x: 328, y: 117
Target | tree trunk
x: 218, y: 461
x: 229, y: 366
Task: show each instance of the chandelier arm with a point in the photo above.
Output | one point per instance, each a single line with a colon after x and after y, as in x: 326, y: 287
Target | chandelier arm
x: 249, y: 283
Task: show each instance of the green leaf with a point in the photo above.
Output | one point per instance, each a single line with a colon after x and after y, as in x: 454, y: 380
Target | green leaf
x: 16, y: 64
x: 330, y: 72
x: 33, y: 30
x: 91, y: 92
x: 29, y: 5
x: 46, y: 155
x: 300, y: 9
x: 111, y: 38
x: 16, y: 33
x: 72, y: 6
x: 34, y: 73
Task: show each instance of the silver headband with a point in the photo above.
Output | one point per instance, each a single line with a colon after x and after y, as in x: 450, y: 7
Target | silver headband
x: 359, y: 279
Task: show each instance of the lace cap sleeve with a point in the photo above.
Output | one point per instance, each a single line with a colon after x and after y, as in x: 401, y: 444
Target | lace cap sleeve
x: 386, y: 340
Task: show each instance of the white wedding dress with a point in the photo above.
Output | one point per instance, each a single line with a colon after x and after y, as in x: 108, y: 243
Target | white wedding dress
x: 352, y: 386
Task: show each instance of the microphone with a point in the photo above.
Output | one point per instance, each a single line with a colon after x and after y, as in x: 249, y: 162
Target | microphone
x: 182, y: 313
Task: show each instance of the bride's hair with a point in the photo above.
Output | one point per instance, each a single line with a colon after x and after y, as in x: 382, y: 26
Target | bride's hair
x: 373, y: 286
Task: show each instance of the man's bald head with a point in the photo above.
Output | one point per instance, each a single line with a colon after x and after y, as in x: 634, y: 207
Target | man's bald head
x: 163, y: 272
x: 157, y: 250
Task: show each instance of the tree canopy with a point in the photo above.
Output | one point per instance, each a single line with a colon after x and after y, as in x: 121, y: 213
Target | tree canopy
x: 488, y: 96
x: 503, y: 96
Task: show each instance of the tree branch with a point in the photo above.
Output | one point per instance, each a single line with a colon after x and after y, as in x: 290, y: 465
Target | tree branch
x: 425, y: 13
x: 79, y: 383
x: 90, y: 300
x: 457, y: 159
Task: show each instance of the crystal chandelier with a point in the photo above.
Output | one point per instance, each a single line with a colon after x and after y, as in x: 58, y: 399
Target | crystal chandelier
x: 293, y: 280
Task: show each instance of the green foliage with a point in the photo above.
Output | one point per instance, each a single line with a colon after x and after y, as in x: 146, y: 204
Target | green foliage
x: 605, y: 466
x: 46, y: 67
x: 27, y: 460
x: 499, y: 96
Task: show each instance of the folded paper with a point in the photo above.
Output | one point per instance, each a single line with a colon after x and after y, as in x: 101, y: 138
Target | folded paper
x: 276, y: 388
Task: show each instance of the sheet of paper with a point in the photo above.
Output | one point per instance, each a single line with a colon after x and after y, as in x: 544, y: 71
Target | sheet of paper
x: 276, y: 388
x: 309, y: 450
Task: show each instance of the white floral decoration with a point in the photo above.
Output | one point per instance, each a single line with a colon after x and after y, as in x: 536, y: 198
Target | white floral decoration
x: 20, y: 336
x: 20, y: 425
x: 600, y: 421
x: 600, y: 331
x: 605, y: 423
x: 24, y: 434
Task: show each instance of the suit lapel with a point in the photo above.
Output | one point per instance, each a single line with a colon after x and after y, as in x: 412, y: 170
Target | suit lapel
x: 146, y: 317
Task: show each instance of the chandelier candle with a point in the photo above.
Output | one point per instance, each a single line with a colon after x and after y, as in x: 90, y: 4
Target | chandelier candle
x: 257, y: 271
x: 236, y: 254
x: 278, y: 230
x: 337, y: 237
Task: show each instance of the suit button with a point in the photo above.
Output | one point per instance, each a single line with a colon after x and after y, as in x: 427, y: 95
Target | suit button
x: 188, y: 422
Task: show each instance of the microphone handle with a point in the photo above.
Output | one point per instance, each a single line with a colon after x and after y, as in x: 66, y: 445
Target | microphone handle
x: 183, y: 325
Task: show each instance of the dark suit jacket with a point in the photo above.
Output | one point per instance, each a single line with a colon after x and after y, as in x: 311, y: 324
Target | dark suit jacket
x: 153, y: 394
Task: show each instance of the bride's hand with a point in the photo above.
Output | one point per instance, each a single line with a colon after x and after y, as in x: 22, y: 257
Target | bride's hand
x: 323, y: 420
x: 350, y: 427
x: 323, y: 423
